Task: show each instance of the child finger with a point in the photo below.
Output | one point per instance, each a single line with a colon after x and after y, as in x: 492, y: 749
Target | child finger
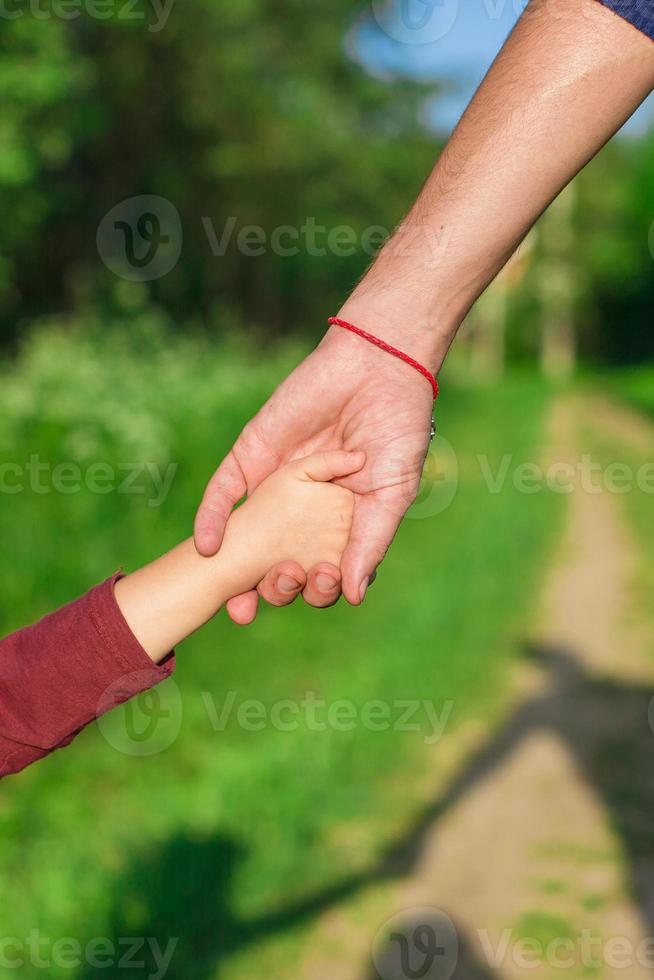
x: 332, y: 464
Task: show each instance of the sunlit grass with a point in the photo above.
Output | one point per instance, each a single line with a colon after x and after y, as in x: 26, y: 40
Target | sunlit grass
x: 237, y: 838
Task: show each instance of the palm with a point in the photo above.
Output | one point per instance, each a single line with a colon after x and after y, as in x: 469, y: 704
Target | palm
x: 345, y: 395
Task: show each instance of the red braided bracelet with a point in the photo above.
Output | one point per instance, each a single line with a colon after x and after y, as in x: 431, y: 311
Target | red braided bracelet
x: 334, y: 320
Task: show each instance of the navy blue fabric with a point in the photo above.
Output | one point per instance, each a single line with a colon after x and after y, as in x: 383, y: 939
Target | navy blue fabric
x: 640, y: 13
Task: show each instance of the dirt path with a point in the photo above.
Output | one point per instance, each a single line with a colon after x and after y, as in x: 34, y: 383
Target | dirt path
x: 539, y: 859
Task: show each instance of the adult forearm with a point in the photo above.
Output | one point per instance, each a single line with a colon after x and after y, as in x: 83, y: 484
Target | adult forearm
x: 568, y: 77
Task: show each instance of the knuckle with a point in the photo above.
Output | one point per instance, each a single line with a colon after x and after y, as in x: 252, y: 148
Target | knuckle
x: 218, y: 492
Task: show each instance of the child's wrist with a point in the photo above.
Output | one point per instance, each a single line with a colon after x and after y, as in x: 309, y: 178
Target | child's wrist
x: 233, y: 572
x: 243, y: 559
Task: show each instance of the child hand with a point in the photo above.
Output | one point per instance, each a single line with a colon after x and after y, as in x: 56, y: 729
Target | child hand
x: 295, y: 514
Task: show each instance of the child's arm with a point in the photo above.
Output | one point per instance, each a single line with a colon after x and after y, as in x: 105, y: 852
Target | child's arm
x: 63, y: 672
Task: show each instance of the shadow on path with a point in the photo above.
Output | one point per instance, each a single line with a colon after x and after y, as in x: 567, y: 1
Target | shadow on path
x: 605, y: 725
x: 183, y: 889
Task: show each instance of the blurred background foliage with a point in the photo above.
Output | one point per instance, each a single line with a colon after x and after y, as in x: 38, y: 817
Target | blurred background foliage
x: 245, y: 109
x: 270, y: 114
x: 267, y: 114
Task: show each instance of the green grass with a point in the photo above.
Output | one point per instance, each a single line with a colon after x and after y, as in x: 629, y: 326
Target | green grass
x: 234, y: 841
x: 636, y: 386
x: 544, y: 928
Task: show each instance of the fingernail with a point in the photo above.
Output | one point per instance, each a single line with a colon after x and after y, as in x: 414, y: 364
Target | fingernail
x: 287, y: 584
x: 325, y: 583
x: 362, y: 589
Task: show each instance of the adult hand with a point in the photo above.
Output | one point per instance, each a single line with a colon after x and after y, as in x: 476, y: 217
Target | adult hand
x: 347, y: 394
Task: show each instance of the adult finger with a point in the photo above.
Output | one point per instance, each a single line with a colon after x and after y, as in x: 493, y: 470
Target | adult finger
x: 376, y: 519
x: 331, y: 464
x: 242, y: 609
x: 323, y: 586
x: 224, y: 490
x: 283, y: 583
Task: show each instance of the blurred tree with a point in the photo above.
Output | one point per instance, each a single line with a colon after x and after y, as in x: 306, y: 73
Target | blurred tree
x: 244, y: 110
x: 253, y: 113
x: 615, y: 250
x: 558, y: 276
x: 490, y: 316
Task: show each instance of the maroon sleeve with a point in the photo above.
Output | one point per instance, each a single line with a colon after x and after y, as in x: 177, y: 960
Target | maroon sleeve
x: 64, y: 671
